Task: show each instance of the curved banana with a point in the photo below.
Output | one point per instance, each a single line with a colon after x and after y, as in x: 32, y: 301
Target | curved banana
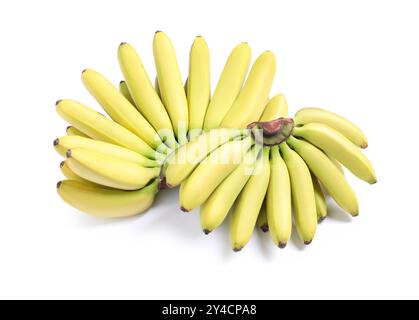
x: 72, y: 131
x: 249, y: 203
x: 278, y: 200
x: 328, y: 174
x: 302, y: 194
x: 339, y: 147
x: 276, y: 108
x: 143, y: 94
x: 99, y: 127
x: 216, y: 207
x: 321, y: 204
x: 229, y: 85
x: 170, y: 84
x: 109, y: 171
x: 263, y: 219
x: 188, y: 156
x: 333, y: 120
x: 198, y: 85
x: 249, y: 105
x: 65, y: 143
x: 105, y: 202
x: 120, y: 109
x: 123, y: 88
x: 211, y: 172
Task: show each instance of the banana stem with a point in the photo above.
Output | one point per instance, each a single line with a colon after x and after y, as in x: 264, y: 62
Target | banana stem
x: 270, y: 133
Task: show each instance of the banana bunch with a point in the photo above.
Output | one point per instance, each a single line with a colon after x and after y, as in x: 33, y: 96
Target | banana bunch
x: 233, y: 154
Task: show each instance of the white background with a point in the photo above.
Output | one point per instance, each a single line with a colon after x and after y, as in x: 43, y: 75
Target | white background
x: 357, y: 58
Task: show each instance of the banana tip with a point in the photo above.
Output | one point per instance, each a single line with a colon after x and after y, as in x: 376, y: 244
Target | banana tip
x: 264, y: 228
x: 62, y: 164
x: 58, y: 102
x: 68, y: 154
x: 364, y: 146
x: 206, y: 231
x: 59, y: 183
x: 158, y: 31
x: 122, y: 44
x: 282, y: 245
x: 56, y: 142
x: 308, y: 242
x: 321, y: 219
x: 184, y: 209
x: 237, y: 249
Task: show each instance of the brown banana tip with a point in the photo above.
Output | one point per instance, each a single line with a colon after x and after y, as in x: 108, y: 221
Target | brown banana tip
x: 282, y: 245
x: 321, y: 219
x: 237, y: 249
x: 355, y: 214
x: 184, y: 209
x: 308, y: 242
x: 84, y: 71
x: 122, y: 44
x: 68, y: 128
x: 206, y: 231
x: 121, y: 82
x: 158, y: 31
x: 59, y: 183
x: 56, y: 142
x: 264, y: 228
x: 199, y: 36
x: 68, y: 154
x: 62, y: 164
x: 58, y: 102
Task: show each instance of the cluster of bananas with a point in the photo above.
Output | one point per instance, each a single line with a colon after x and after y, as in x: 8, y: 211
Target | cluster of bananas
x: 232, y: 151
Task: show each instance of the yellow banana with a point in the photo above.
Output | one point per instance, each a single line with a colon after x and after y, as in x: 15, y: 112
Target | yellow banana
x: 339, y: 147
x: 170, y: 84
x: 188, y: 156
x: 105, y: 202
x: 143, y: 94
x: 120, y: 109
x: 229, y: 86
x: 328, y: 174
x: 109, y: 171
x: 216, y: 207
x: 263, y: 218
x: 211, y: 172
x: 123, y: 88
x: 302, y: 194
x: 278, y: 200
x: 333, y: 120
x: 71, y: 131
x: 321, y: 204
x: 276, y: 108
x: 98, y: 127
x: 65, y: 143
x: 249, y: 203
x: 198, y: 85
x: 249, y: 105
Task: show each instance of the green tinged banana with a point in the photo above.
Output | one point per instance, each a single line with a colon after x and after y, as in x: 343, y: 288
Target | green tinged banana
x: 251, y: 102
x: 229, y: 86
x: 108, y: 170
x: 328, y: 174
x: 188, y: 156
x: 196, y: 189
x: 216, y: 207
x: 248, y: 204
x: 65, y: 143
x: 333, y: 120
x: 278, y: 200
x: 339, y: 147
x: 98, y: 127
x: 302, y: 194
